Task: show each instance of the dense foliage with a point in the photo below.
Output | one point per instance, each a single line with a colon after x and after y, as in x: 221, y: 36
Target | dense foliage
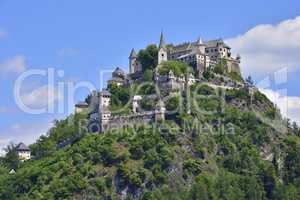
x: 148, y: 57
x: 120, y: 99
x: 178, y: 68
x: 220, y: 67
x: 223, y: 149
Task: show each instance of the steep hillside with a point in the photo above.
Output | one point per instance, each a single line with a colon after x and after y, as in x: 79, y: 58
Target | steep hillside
x: 236, y: 147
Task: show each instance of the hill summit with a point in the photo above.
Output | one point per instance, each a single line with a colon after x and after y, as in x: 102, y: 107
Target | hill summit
x: 170, y: 129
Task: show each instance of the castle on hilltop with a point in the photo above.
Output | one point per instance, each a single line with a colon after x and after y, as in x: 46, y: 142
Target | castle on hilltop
x: 202, y: 56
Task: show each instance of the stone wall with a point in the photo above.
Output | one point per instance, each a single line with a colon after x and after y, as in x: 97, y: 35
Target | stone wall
x: 233, y: 66
x: 121, y: 121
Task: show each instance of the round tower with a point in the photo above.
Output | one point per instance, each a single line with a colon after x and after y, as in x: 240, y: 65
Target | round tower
x: 133, y: 62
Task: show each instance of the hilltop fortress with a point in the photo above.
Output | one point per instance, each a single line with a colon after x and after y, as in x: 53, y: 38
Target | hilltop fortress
x: 201, y: 56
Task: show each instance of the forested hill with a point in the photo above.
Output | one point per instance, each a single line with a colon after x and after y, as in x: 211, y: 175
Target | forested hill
x: 242, y: 150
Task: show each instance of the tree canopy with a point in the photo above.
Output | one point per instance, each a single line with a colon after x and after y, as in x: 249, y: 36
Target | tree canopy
x: 148, y: 57
x: 178, y: 68
x: 220, y: 150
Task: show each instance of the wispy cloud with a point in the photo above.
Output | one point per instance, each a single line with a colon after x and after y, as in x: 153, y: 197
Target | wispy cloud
x: 266, y: 47
x: 288, y: 105
x: 41, y: 96
x: 15, y: 65
x: 23, y: 132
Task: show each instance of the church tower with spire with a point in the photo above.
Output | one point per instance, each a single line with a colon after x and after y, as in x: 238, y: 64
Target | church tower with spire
x: 163, y: 51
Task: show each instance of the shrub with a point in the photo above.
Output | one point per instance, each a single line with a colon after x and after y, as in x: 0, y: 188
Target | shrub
x: 193, y: 166
x: 203, y: 90
x: 261, y: 97
x: 172, y: 103
x: 147, y: 89
x: 235, y: 76
x: 177, y: 67
x: 100, y: 184
x: 236, y: 94
x: 147, y: 104
x: 147, y: 75
x: 207, y: 74
x: 220, y: 67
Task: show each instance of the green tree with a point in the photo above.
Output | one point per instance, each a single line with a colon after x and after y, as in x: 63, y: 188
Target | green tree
x: 43, y: 147
x: 148, y: 57
x: 203, y: 188
x: 147, y: 104
x: 220, y: 67
x: 178, y: 68
x: 147, y: 75
x: 11, y: 158
x: 173, y: 103
x: 252, y: 188
x: 120, y: 96
x: 292, y: 160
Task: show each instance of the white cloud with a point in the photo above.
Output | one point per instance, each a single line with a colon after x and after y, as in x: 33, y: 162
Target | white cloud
x: 67, y: 52
x: 41, y: 97
x: 27, y: 133
x: 15, y: 64
x: 267, y: 48
x: 288, y: 105
x: 272, y: 49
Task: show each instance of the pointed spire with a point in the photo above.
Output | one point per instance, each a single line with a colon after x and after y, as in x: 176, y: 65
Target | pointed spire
x: 133, y: 54
x: 200, y: 41
x: 162, y: 41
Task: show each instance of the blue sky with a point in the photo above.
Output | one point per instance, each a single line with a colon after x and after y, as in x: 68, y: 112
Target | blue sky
x: 83, y: 37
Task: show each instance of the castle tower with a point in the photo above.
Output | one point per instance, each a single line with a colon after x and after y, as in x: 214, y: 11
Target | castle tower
x: 162, y: 52
x: 134, y: 65
x: 172, y: 84
x: 135, y: 103
x: 200, y: 45
x: 104, y: 99
x: 160, y: 111
x: 104, y: 113
x: 104, y: 117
